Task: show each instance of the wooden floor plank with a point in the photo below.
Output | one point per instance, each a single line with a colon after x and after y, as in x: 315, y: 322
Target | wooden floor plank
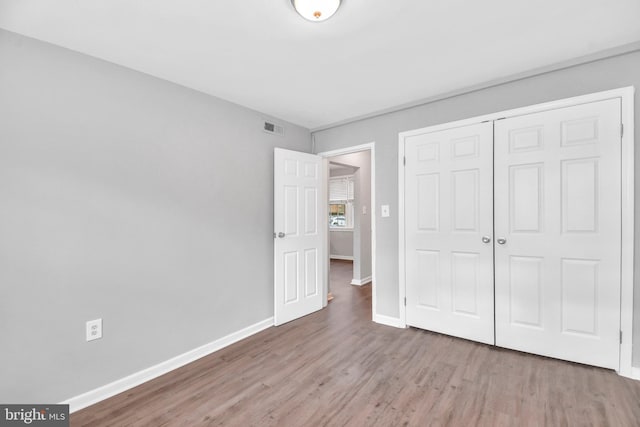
x: 337, y: 368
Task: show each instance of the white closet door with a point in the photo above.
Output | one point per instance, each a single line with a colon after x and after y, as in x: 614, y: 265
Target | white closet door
x: 448, y: 210
x: 557, y: 207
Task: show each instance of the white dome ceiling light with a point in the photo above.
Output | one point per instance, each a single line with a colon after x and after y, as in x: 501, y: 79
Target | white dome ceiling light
x: 316, y: 10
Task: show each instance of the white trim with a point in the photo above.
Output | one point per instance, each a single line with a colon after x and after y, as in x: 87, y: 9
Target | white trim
x: 597, y: 56
x: 402, y: 291
x: 388, y: 321
x: 326, y: 261
x: 627, y: 253
x: 354, y: 149
x: 361, y: 282
x: 348, y: 150
x: 341, y: 257
x: 635, y: 373
x: 530, y: 109
x: 332, y: 229
x: 106, y: 391
x: 374, y: 294
x: 626, y: 95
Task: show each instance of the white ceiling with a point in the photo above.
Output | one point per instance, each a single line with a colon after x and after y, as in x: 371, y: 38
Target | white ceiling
x: 372, y: 55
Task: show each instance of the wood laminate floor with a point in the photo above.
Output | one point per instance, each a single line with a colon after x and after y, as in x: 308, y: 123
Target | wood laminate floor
x: 336, y: 367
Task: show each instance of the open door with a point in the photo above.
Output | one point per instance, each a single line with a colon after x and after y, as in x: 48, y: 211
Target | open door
x: 298, y: 218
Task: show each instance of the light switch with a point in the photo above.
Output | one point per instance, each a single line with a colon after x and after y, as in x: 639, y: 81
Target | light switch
x: 384, y: 211
x: 364, y: 210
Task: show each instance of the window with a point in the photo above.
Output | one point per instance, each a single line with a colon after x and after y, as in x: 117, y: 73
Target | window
x: 341, y: 191
x: 341, y: 215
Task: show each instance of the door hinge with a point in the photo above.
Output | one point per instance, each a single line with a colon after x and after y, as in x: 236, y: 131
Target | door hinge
x: 621, y: 130
x: 620, y: 337
x: 404, y: 161
x: 405, y: 301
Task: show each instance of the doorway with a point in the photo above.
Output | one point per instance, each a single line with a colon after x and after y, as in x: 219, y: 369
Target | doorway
x: 351, y: 217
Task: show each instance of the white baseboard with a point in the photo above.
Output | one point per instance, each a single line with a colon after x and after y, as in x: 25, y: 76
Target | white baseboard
x: 101, y: 393
x: 361, y: 282
x: 342, y: 257
x: 635, y: 373
x: 386, y: 320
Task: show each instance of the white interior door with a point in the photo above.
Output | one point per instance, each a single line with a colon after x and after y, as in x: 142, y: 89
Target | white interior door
x: 557, y: 219
x: 449, y: 232
x: 299, y: 212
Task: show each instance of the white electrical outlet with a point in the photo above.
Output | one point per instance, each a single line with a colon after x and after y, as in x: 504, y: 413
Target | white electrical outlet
x: 94, y: 329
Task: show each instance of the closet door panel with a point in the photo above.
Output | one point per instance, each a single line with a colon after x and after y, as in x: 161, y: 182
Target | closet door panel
x: 557, y: 211
x: 448, y: 210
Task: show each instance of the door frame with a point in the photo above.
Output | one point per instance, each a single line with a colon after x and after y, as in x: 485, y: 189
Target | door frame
x: 370, y: 146
x: 626, y: 95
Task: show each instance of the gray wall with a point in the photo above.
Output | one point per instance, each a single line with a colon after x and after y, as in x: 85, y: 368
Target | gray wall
x: 341, y: 243
x: 342, y: 171
x: 128, y: 198
x: 596, y: 76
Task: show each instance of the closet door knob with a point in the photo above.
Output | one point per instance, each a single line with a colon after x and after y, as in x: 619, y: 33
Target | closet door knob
x: 486, y: 239
x: 501, y: 241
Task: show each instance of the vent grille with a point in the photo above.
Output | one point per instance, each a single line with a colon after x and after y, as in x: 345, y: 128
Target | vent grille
x: 273, y: 128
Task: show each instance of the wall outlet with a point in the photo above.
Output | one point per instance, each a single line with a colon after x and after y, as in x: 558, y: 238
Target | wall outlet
x: 94, y: 329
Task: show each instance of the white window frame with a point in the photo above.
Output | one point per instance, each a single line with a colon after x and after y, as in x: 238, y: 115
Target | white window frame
x: 349, y: 202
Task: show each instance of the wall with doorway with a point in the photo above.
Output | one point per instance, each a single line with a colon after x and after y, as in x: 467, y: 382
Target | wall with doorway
x: 362, y: 253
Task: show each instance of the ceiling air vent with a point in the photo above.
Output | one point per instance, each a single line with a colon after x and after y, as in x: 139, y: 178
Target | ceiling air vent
x: 270, y: 127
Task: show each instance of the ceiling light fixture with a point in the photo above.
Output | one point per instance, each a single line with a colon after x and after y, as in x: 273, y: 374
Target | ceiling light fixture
x: 316, y: 10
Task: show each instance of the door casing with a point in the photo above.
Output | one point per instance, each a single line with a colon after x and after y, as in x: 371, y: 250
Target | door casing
x: 371, y: 146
